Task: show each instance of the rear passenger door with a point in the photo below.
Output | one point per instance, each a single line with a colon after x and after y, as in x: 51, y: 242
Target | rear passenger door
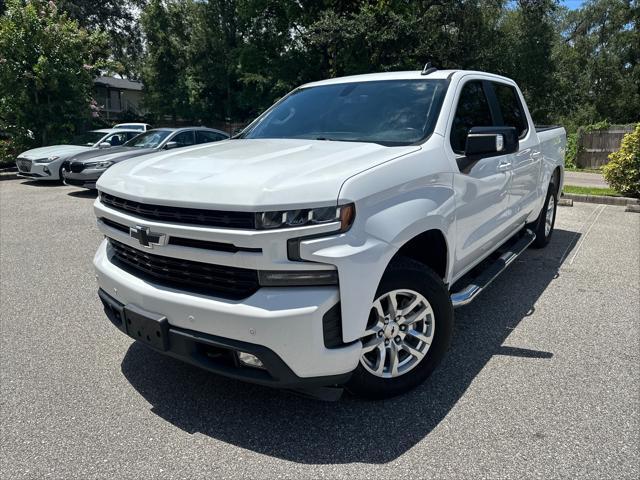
x: 205, y: 136
x: 483, y: 217
x: 184, y: 139
x: 523, y: 192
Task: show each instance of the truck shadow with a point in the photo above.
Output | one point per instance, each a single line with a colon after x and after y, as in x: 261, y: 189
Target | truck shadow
x: 285, y: 426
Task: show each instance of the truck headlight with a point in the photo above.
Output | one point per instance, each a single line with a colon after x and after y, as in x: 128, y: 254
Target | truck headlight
x: 99, y: 165
x: 344, y: 214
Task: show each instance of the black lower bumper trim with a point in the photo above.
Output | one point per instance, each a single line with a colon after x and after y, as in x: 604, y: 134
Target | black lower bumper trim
x: 31, y: 175
x: 72, y: 182
x: 217, y: 354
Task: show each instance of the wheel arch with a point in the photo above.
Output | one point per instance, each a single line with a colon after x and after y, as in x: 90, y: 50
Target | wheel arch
x: 429, y: 248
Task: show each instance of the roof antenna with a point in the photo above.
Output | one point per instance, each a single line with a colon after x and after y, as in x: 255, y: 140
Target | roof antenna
x: 428, y: 69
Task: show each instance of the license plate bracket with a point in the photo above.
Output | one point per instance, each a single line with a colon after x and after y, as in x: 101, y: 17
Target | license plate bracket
x: 147, y: 327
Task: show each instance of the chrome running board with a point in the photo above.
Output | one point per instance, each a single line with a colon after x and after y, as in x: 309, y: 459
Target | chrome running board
x: 467, y: 294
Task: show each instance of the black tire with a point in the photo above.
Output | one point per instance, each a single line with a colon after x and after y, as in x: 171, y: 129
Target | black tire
x: 405, y: 273
x: 538, y: 227
x: 61, y: 179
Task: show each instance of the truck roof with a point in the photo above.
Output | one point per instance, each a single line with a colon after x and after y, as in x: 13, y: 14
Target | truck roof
x: 404, y: 75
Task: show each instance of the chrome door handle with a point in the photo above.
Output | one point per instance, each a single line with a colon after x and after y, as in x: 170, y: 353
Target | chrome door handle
x: 504, y: 166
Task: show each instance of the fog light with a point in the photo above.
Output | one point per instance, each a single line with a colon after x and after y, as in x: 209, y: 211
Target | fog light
x: 249, y: 360
x: 46, y: 169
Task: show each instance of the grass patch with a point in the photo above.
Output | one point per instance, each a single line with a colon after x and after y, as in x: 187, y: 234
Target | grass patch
x: 583, y: 170
x: 603, y: 192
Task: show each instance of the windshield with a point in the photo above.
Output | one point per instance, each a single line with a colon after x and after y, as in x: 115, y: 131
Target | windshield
x: 87, y: 139
x: 150, y: 139
x: 389, y: 112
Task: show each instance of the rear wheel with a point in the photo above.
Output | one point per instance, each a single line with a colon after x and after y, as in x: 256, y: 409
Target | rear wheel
x: 543, y: 226
x: 408, y: 332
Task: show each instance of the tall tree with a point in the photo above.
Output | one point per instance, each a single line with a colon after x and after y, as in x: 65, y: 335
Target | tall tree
x: 164, y: 69
x: 47, y: 64
x: 120, y: 19
x: 599, y: 58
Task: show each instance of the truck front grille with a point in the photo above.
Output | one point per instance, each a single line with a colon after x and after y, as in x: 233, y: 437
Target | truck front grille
x: 192, y: 216
x: 186, y: 275
x: 23, y: 165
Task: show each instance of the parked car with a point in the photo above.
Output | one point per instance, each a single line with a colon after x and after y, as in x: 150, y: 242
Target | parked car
x: 143, y: 127
x: 330, y: 243
x: 84, y: 169
x: 45, y: 163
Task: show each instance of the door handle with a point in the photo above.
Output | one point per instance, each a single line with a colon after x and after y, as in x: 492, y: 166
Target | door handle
x: 504, y: 166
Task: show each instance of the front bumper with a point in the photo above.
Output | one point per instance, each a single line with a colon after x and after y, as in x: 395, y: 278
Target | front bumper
x: 39, y: 171
x: 219, y: 355
x: 281, y: 326
x: 86, y: 178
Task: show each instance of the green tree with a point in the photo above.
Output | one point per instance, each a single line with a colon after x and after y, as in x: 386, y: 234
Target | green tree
x: 598, y: 63
x: 164, y: 68
x: 47, y: 65
x: 119, y: 19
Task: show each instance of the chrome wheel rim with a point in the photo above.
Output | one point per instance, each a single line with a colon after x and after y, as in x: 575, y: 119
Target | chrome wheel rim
x: 549, y: 216
x: 399, y: 333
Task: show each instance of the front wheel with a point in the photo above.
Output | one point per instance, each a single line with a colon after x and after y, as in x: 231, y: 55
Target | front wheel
x: 408, y: 332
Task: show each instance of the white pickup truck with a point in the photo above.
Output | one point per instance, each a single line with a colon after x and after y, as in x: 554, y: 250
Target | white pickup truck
x: 328, y: 244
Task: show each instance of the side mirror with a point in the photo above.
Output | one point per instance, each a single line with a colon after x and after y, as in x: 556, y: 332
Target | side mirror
x: 491, y: 141
x: 171, y: 145
x: 104, y: 145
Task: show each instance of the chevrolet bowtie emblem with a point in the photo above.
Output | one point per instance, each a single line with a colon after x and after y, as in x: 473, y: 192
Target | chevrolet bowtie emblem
x: 147, y: 238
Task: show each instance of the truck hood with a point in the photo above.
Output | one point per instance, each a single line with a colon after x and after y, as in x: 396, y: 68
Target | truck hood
x: 113, y: 154
x: 53, y: 150
x: 243, y: 174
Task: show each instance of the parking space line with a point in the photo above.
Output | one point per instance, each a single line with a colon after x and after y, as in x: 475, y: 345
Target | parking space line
x: 582, y: 240
x: 576, y: 234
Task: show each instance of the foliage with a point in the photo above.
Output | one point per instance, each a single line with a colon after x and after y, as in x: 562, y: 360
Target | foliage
x: 216, y: 60
x: 46, y: 68
x: 8, y: 152
x: 623, y: 170
x: 118, y: 19
x: 571, y: 154
x: 230, y: 59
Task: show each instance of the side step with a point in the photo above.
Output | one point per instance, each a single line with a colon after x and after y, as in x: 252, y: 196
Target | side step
x: 467, y: 294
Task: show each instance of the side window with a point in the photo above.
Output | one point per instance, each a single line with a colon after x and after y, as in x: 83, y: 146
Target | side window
x: 184, y: 139
x: 472, y: 111
x: 512, y: 113
x: 204, y: 136
x: 130, y: 135
x: 117, y: 139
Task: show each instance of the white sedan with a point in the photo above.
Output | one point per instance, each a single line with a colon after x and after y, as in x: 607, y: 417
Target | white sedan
x: 45, y: 163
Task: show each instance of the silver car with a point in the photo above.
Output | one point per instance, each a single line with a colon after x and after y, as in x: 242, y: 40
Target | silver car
x: 45, y: 163
x: 84, y: 169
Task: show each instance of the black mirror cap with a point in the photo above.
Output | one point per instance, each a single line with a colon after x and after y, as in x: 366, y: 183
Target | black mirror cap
x: 491, y: 141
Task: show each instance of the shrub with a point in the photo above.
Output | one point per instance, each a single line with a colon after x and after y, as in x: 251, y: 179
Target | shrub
x: 8, y: 153
x: 572, y: 151
x: 623, y: 170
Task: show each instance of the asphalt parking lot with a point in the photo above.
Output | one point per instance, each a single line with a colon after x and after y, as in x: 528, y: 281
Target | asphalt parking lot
x: 542, y: 380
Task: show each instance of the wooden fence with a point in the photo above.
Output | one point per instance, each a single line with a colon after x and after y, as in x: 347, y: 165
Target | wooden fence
x: 594, y: 147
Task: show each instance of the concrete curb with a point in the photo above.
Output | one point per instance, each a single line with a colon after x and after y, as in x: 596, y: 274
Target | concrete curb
x: 621, y: 201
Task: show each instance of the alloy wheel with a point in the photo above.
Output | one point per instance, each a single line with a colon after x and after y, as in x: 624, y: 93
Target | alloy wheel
x: 399, y: 333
